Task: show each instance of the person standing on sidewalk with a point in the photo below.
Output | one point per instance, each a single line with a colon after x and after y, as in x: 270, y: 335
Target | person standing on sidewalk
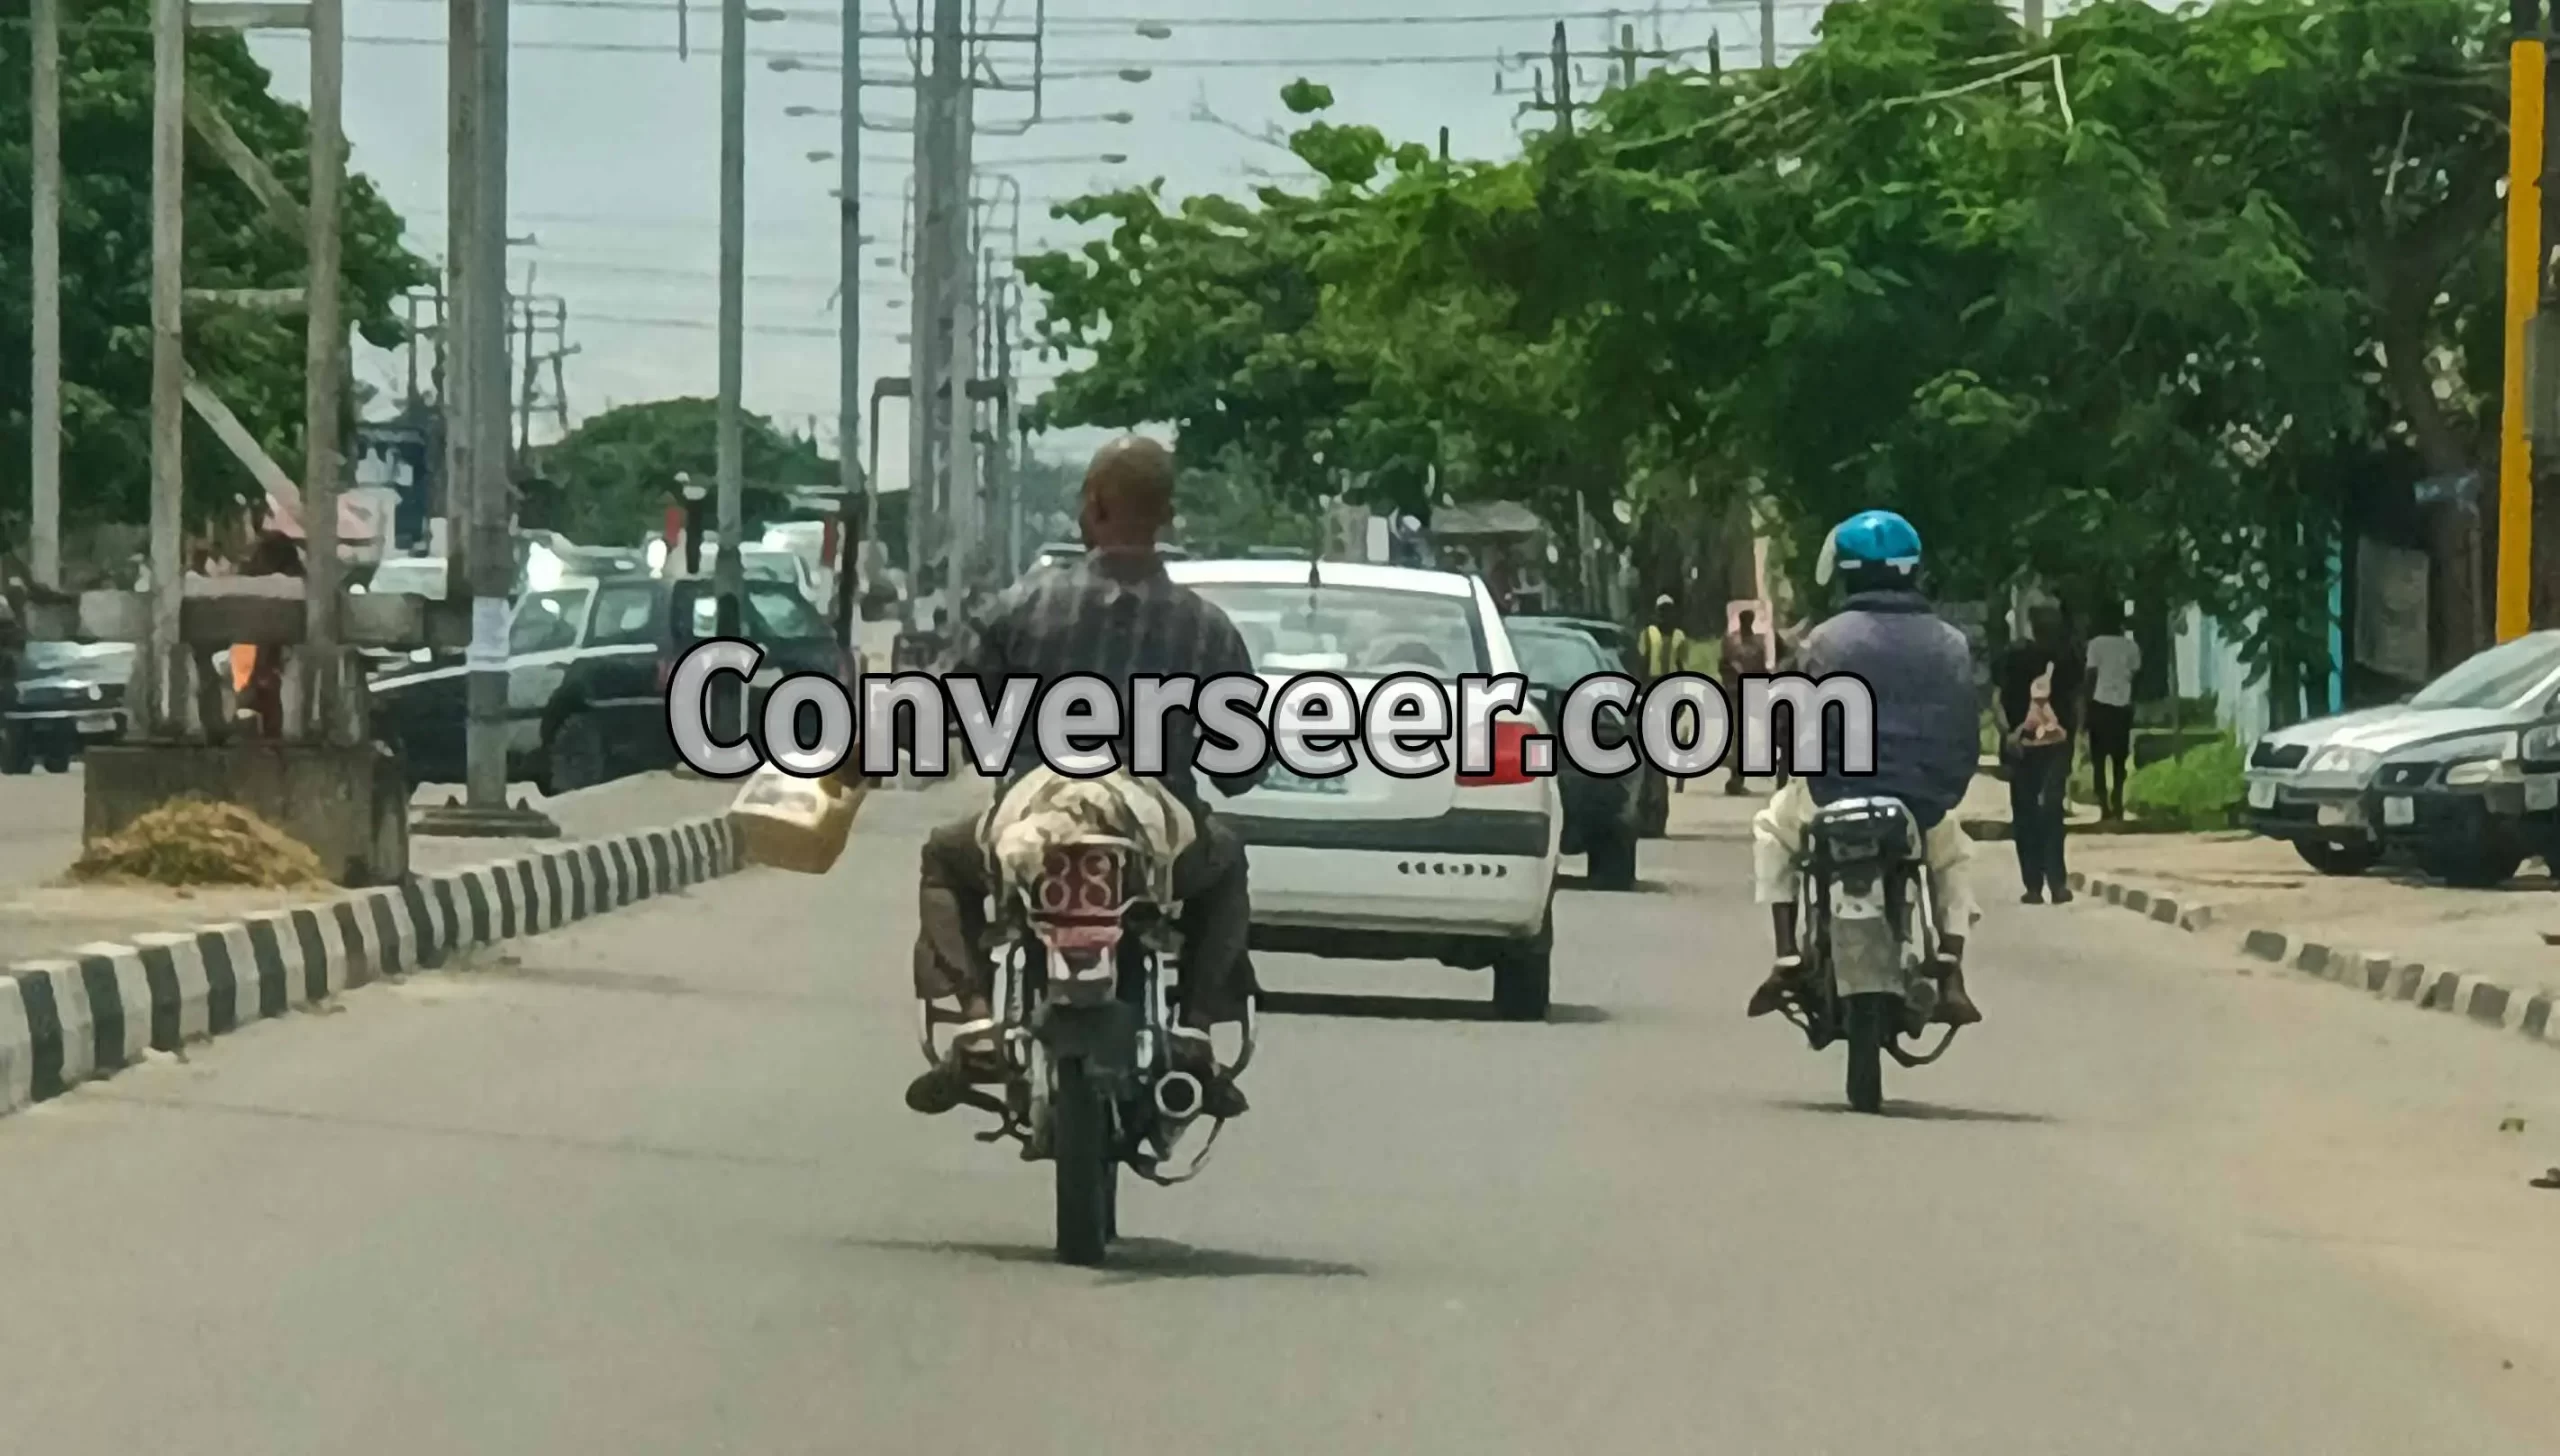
x: 1745, y: 655
x: 2114, y: 658
x: 1665, y: 650
x: 2039, y: 706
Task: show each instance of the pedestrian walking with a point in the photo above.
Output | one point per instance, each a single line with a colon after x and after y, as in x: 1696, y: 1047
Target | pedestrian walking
x: 1665, y: 650
x: 1746, y: 654
x: 2040, y: 696
x: 2114, y: 659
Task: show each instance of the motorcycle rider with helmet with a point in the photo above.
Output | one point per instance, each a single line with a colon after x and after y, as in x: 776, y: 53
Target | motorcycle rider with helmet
x: 1928, y: 745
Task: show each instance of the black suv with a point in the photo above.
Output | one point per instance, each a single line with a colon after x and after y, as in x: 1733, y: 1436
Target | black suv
x: 1602, y: 816
x: 587, y: 669
x: 58, y: 698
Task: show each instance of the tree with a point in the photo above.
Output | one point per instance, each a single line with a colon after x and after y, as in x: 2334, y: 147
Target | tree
x: 612, y: 478
x: 254, y: 361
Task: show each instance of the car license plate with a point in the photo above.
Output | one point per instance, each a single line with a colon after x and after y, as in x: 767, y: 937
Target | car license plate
x: 97, y: 722
x: 2541, y: 793
x: 2262, y: 795
x: 2336, y: 816
x: 2399, y: 812
x: 1284, y: 782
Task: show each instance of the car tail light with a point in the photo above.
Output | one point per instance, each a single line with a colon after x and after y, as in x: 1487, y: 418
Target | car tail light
x: 1510, y: 757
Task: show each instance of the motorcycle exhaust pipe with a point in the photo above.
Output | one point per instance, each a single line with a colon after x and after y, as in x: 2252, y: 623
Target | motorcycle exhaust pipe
x: 1178, y: 1096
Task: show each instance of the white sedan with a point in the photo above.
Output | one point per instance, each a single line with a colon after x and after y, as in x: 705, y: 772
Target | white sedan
x: 1374, y: 867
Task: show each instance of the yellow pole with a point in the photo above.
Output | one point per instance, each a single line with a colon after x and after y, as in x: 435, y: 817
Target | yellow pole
x: 2525, y: 64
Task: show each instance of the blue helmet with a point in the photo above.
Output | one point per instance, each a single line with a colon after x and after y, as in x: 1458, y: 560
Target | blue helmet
x: 1869, y: 544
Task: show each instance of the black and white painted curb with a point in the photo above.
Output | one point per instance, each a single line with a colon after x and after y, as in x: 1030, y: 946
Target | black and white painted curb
x: 77, y: 1019
x: 2429, y: 988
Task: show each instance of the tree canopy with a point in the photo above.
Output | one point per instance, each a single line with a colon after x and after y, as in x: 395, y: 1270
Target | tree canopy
x: 610, y: 480
x: 253, y: 360
x: 2148, y: 306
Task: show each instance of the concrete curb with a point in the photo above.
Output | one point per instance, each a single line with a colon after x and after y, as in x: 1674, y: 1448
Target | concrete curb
x: 2377, y: 973
x: 106, y: 1006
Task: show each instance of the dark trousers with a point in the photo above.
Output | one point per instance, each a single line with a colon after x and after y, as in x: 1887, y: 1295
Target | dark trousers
x: 952, y: 955
x: 2110, y: 745
x: 2038, y: 780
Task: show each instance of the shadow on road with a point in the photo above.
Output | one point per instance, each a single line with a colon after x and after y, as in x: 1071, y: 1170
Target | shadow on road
x: 1409, y: 1008
x: 1135, y: 1260
x: 1919, y: 1112
x: 1583, y: 883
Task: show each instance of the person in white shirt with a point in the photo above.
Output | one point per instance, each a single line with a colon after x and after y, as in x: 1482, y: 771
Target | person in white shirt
x: 2114, y: 658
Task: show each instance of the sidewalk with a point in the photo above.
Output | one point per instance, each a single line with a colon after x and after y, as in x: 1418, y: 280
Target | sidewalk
x: 41, y: 917
x: 2253, y: 883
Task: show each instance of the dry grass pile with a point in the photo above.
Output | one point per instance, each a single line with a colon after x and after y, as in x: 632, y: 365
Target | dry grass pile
x: 193, y: 841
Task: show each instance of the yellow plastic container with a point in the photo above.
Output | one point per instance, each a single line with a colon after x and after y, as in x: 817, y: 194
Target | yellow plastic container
x: 796, y: 824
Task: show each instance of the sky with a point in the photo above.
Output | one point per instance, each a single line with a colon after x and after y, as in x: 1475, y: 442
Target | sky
x: 615, y: 144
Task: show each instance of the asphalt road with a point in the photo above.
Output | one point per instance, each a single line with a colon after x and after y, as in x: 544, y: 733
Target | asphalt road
x: 650, y: 1188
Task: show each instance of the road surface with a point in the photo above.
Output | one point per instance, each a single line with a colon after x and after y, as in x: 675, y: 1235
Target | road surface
x: 650, y: 1188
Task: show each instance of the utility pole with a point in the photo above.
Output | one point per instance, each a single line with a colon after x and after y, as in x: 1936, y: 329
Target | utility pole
x: 329, y: 712
x: 453, y: 323
x: 942, y: 204
x: 1769, y: 35
x: 1562, y: 61
x: 2034, y: 19
x: 44, y: 415
x: 166, y: 699
x: 849, y: 323
x: 532, y: 371
x: 1627, y: 54
x: 961, y: 470
x: 2527, y: 103
x: 729, y: 571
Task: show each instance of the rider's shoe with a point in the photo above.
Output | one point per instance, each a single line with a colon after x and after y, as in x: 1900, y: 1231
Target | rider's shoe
x: 1955, y: 1008
x: 1193, y: 1052
x: 1773, y: 992
x: 970, y: 1063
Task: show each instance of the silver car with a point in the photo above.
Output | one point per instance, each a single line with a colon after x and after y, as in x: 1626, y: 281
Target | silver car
x: 2309, y: 784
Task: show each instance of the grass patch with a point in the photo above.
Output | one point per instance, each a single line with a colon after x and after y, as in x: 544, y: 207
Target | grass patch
x: 2195, y: 790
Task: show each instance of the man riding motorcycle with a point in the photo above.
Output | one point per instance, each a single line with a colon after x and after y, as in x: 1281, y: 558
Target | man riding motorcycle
x: 1112, y: 613
x: 1928, y: 745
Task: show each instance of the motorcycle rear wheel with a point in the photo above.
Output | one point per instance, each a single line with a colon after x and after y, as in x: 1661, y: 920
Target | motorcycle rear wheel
x: 1866, y: 1022
x: 1088, y: 1172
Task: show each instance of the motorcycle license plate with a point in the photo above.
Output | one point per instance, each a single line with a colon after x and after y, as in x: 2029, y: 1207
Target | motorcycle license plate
x: 1080, y: 882
x: 1851, y: 905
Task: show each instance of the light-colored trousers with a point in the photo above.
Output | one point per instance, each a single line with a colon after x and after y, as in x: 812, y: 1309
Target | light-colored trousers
x: 1777, y: 839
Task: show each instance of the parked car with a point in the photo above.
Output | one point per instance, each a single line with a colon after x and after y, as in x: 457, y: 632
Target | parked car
x: 1601, y: 815
x: 1374, y: 867
x: 587, y: 666
x: 2470, y: 811
x: 61, y: 698
x: 782, y: 564
x: 2312, y: 784
x: 1653, y: 791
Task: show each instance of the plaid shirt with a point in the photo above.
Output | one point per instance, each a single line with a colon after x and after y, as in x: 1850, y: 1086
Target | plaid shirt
x: 1076, y: 618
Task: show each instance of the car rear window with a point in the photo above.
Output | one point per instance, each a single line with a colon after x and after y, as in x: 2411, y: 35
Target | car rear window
x: 1369, y: 631
x: 775, y: 613
x: 1553, y: 659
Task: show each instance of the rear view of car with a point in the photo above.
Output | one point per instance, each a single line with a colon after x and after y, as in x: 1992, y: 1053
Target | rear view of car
x: 1458, y: 869
x: 1602, y: 815
x: 63, y: 697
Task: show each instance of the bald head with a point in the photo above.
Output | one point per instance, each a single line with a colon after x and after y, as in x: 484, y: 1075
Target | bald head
x: 1128, y: 494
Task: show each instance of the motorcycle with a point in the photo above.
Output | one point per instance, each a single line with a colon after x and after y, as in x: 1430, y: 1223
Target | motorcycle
x: 1869, y: 939
x: 1084, y: 1026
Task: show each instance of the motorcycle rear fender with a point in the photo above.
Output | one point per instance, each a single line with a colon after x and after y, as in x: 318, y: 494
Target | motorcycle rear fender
x: 1105, y: 1036
x: 1867, y: 957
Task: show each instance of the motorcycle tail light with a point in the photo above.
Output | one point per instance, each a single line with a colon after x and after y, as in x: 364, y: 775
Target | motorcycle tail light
x: 1510, y: 757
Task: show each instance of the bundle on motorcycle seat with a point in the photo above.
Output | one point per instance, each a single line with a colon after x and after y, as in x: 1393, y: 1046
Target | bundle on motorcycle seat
x: 1046, y: 809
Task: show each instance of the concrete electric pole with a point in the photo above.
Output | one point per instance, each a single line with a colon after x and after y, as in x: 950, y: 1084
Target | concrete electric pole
x: 849, y: 328
x: 2527, y: 114
x: 729, y: 570
x: 44, y: 415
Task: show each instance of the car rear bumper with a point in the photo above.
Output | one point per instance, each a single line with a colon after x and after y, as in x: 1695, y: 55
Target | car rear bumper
x: 1355, y: 887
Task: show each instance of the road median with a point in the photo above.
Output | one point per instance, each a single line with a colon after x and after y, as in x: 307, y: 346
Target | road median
x: 106, y: 1005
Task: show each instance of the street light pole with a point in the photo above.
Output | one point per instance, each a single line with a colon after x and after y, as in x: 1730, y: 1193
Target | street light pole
x: 729, y: 711
x: 849, y: 321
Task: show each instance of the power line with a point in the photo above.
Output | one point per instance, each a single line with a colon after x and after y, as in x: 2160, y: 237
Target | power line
x: 897, y: 25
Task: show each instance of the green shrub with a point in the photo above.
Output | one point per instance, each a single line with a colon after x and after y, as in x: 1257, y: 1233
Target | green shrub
x: 2194, y: 790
